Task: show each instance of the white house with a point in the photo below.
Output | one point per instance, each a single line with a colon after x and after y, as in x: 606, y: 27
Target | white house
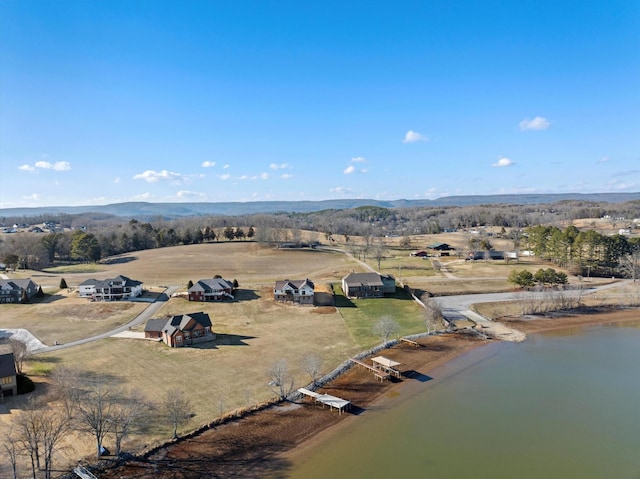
x: 298, y: 291
x: 115, y: 289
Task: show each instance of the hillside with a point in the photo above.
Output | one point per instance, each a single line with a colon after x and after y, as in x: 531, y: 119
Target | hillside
x: 145, y: 210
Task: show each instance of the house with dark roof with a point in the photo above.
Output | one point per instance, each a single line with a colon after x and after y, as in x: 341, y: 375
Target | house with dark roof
x: 297, y: 291
x: 181, y: 330
x: 12, y: 290
x: 8, y: 379
x: 368, y: 285
x: 216, y: 289
x: 114, y: 289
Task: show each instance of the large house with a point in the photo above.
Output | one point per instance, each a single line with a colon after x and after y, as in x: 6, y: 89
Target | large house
x: 298, y: 291
x: 8, y: 379
x: 368, y: 285
x: 12, y: 290
x: 215, y: 289
x: 115, y: 289
x: 181, y: 330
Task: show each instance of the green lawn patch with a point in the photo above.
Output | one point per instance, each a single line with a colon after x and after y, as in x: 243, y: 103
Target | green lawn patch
x: 76, y: 268
x: 360, y: 316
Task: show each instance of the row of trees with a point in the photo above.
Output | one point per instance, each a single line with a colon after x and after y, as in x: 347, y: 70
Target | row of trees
x: 76, y: 404
x: 586, y: 252
x: 545, y: 277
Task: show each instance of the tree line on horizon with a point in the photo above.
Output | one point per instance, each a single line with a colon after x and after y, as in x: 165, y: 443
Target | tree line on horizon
x: 92, y: 237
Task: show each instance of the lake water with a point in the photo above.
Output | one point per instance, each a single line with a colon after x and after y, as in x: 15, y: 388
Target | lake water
x: 560, y: 405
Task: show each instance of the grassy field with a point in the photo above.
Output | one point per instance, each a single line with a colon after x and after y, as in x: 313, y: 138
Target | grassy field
x: 360, y: 316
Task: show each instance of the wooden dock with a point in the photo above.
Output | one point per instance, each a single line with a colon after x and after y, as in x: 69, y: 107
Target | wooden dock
x: 412, y: 343
x: 379, y: 374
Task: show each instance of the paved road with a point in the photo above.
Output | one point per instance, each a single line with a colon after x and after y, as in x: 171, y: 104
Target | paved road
x: 141, y: 318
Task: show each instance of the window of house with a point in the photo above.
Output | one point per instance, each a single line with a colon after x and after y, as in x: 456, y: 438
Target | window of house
x: 7, y: 380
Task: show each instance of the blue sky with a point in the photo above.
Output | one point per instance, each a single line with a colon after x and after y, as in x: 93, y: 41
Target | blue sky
x: 105, y: 102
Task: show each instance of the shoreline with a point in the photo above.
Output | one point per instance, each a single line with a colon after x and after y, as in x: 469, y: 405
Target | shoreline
x: 267, y: 443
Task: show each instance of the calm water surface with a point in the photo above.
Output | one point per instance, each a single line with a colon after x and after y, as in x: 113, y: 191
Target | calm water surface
x: 556, y: 406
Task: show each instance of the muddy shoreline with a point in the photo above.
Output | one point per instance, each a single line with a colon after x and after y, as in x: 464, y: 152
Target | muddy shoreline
x: 263, y: 444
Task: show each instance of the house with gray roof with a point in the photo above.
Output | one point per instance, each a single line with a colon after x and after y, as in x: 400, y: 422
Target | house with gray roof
x: 368, y: 285
x: 215, y: 289
x: 181, y: 330
x: 114, y: 289
x: 8, y: 378
x: 12, y: 290
x: 297, y: 291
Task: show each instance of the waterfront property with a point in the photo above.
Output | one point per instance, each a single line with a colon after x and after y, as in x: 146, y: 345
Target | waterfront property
x: 215, y: 289
x: 181, y: 330
x: 297, y: 291
x: 17, y: 290
x: 114, y: 289
x: 368, y: 285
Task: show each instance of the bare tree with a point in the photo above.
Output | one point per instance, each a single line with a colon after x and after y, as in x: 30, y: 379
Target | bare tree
x: 54, y: 427
x: 312, y: 364
x: 280, y: 379
x: 433, y: 316
x: 385, y: 327
x: 379, y: 251
x: 65, y: 387
x: 11, y: 448
x: 29, y: 434
x: 96, y: 411
x: 127, y: 415
x: 20, y: 352
x: 177, y: 408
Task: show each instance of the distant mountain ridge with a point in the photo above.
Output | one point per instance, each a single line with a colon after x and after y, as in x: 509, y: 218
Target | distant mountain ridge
x: 144, y: 210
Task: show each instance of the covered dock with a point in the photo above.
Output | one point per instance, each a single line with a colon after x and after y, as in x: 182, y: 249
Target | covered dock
x: 389, y: 366
x: 331, y: 401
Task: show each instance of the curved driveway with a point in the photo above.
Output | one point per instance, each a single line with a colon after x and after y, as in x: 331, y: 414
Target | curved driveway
x: 148, y: 312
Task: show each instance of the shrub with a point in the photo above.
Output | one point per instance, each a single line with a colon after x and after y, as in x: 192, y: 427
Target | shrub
x: 25, y: 384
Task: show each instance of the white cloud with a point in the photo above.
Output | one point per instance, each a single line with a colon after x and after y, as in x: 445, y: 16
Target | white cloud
x: 358, y: 159
x: 264, y: 176
x: 116, y: 180
x: 364, y: 171
x: 190, y: 194
x: 226, y: 166
x: 538, y: 123
x: 45, y: 165
x: 142, y: 197
x: 286, y: 176
x: 604, y: 159
x: 341, y: 190
x: 349, y: 169
x: 152, y: 176
x: 413, y: 136
x: 281, y: 166
x: 502, y: 162
x: 33, y: 197
x: 208, y: 164
x: 226, y: 176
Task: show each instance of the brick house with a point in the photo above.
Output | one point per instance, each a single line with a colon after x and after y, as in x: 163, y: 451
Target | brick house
x: 216, y: 289
x: 11, y: 290
x: 181, y: 330
x: 114, y: 289
x: 297, y: 291
x: 8, y: 378
x: 368, y: 285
